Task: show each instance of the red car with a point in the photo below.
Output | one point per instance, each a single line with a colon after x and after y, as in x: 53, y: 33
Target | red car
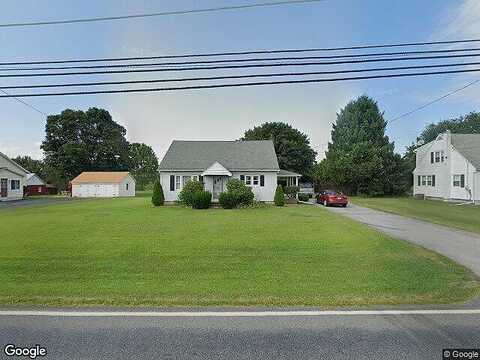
x: 330, y: 197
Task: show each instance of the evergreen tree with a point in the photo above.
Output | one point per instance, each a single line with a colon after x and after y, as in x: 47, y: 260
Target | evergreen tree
x: 361, y: 159
x: 279, y: 198
x: 158, y: 198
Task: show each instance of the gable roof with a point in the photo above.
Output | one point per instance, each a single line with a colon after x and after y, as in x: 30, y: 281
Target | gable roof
x: 100, y: 177
x: 34, y: 179
x: 233, y: 155
x: 469, y: 146
x: 14, y: 163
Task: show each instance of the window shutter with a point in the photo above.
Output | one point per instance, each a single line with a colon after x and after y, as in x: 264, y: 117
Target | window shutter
x: 242, y: 177
x: 262, y: 180
x: 200, y: 178
x: 462, y: 181
x: 433, y: 180
x: 432, y: 157
x: 419, y: 178
x: 172, y: 182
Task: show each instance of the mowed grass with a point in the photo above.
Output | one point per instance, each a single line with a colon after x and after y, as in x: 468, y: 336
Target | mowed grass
x: 124, y: 252
x: 465, y: 217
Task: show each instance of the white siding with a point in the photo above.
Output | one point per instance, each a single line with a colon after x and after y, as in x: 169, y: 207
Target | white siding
x: 454, y: 164
x: 95, y: 190
x: 262, y: 193
x: 11, y: 172
x: 127, y: 187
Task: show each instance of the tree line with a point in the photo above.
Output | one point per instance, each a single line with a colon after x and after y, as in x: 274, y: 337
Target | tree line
x: 360, y: 159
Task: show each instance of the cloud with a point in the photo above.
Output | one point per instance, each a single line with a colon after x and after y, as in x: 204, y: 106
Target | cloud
x: 461, y: 22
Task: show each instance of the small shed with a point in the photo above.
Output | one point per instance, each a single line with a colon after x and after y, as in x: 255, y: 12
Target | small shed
x: 103, y: 184
x: 35, y: 185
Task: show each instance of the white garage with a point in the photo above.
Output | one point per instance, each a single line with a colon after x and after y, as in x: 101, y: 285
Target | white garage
x: 103, y: 184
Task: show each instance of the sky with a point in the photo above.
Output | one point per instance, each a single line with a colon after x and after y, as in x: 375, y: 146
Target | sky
x: 224, y: 114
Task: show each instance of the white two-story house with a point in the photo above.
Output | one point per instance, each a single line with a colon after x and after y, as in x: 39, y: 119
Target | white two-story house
x: 448, y: 168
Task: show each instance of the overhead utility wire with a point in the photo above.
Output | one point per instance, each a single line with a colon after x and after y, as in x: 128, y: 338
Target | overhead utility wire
x: 434, y: 101
x: 244, y: 66
x: 237, y: 60
x: 263, y: 83
x: 253, y: 52
x: 24, y: 102
x: 154, y: 14
x: 229, y: 77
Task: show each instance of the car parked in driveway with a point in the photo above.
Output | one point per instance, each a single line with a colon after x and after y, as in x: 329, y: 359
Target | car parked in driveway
x: 331, y: 197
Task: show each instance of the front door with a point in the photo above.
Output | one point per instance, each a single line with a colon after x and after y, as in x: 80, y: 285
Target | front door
x: 3, y: 187
x: 217, y: 186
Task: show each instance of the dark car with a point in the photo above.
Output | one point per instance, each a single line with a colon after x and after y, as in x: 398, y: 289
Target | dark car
x: 331, y: 197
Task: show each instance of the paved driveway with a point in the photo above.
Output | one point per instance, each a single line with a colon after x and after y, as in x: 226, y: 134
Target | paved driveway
x: 461, y: 246
x: 32, y: 202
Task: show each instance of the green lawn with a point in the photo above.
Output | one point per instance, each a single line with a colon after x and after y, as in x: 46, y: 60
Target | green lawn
x: 125, y: 252
x: 466, y: 217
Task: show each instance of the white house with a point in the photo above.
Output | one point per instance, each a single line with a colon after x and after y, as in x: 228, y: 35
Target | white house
x: 215, y: 162
x: 448, y: 168
x: 103, y: 184
x: 12, y: 179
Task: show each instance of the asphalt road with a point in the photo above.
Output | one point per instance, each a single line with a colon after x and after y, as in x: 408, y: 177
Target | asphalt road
x: 376, y: 336
x: 461, y: 246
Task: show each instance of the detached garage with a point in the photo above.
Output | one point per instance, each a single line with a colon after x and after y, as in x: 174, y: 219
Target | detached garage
x: 103, y: 184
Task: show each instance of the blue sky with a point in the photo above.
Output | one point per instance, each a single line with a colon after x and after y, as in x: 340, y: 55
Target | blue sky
x: 223, y: 114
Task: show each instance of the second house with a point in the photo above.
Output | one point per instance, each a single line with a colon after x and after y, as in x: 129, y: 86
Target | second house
x: 215, y: 162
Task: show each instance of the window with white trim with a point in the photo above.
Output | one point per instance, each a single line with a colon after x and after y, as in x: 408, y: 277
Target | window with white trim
x: 255, y: 180
x: 429, y: 180
x: 424, y: 180
x: 195, y: 177
x: 459, y: 180
x: 437, y: 156
x: 185, y: 179
x: 14, y: 184
x: 248, y: 180
x: 177, y: 182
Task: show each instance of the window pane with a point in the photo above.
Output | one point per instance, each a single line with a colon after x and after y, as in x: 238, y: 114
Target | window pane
x: 255, y: 180
x: 248, y: 180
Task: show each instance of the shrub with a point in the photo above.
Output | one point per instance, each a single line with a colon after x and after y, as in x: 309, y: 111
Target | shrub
x: 227, y: 200
x: 202, y: 199
x: 291, y: 191
x: 303, y: 197
x: 158, y: 199
x: 237, y: 194
x: 279, y: 198
x: 189, y: 189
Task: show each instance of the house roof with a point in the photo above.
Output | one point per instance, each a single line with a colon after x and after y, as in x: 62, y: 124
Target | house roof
x: 233, y: 155
x: 469, y: 146
x: 287, y: 173
x: 14, y: 163
x: 101, y: 177
x: 34, y: 179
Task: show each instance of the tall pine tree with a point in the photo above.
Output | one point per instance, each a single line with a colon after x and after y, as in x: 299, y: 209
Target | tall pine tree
x: 361, y: 159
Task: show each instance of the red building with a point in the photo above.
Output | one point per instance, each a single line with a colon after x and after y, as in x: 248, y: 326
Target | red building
x: 36, y: 186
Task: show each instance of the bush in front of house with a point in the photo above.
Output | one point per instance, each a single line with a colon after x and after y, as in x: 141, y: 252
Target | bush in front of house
x: 279, y: 198
x: 227, y: 200
x: 237, y: 194
x: 303, y: 197
x: 158, y: 199
x: 291, y: 191
x: 202, y: 199
x: 189, y: 189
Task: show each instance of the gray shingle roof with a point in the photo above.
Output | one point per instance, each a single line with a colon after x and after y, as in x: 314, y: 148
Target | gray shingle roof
x: 469, y: 146
x: 234, y: 155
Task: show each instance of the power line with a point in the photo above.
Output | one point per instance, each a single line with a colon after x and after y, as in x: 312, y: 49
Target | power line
x: 236, y: 53
x: 213, y: 86
x: 239, y: 60
x: 434, y: 101
x: 155, y: 14
x: 230, y: 77
x: 243, y: 66
x: 23, y: 102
